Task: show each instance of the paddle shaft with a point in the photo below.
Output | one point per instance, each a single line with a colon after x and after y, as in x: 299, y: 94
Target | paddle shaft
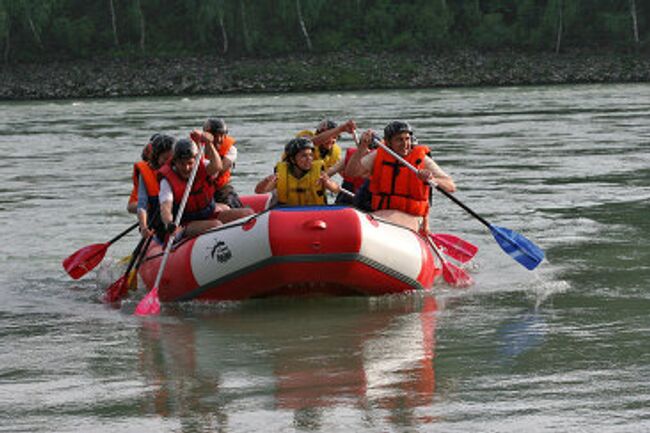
x: 450, y: 272
x: 143, y: 252
x: 114, y: 291
x: 121, y: 235
x: 135, y: 255
x: 435, y: 249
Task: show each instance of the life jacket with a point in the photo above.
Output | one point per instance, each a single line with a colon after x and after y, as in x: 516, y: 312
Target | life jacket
x: 200, y: 203
x: 224, y: 176
x: 300, y: 192
x: 394, y: 186
x: 353, y: 182
x: 150, y: 178
x: 331, y: 158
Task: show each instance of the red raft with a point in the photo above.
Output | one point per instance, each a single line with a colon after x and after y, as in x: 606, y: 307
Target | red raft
x: 295, y: 251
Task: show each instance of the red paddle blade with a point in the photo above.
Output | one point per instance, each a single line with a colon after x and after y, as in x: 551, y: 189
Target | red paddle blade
x: 455, y: 247
x: 455, y: 276
x: 84, y: 260
x: 149, y: 305
x: 117, y: 290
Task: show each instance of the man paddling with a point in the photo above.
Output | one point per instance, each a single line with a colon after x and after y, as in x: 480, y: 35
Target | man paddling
x: 200, y: 211
x: 398, y: 194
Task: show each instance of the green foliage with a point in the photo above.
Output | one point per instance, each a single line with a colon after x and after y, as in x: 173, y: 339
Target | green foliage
x: 82, y: 28
x: 73, y: 36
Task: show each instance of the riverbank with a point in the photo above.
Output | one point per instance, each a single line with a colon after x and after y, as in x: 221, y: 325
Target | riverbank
x: 216, y: 75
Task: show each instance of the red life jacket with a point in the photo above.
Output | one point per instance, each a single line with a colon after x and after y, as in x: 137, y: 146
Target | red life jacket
x: 224, y: 176
x: 354, y: 181
x: 200, y: 199
x: 393, y: 186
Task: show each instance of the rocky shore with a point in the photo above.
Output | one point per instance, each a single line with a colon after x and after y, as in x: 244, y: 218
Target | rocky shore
x: 341, y: 71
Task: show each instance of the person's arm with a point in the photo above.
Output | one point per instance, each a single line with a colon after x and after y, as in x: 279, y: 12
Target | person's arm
x: 337, y: 167
x: 215, y: 165
x: 267, y: 184
x: 326, y: 136
x: 229, y: 158
x: 360, y: 164
x: 166, y: 200
x: 433, y: 172
x: 132, y: 205
x: 143, y: 204
x: 329, y: 184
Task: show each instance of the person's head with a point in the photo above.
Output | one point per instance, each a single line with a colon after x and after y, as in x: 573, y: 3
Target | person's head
x: 299, y: 152
x: 398, y: 136
x: 162, y: 147
x: 216, y: 127
x: 326, y: 125
x: 185, y: 152
x: 148, y: 148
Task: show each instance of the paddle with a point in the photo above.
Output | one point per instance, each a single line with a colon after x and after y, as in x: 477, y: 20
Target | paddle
x: 514, y: 244
x: 455, y: 247
x: 150, y: 304
x: 119, y: 288
x: 132, y: 282
x: 453, y: 275
x: 85, y: 259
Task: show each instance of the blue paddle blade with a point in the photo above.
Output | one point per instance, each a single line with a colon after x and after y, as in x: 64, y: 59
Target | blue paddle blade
x: 518, y: 247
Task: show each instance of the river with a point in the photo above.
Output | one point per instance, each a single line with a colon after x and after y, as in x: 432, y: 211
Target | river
x: 563, y: 348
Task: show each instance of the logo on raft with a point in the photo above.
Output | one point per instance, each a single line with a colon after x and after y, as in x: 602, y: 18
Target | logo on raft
x: 220, y: 252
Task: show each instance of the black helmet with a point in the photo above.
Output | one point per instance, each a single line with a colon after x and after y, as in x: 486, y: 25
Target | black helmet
x: 295, y: 145
x: 325, y: 125
x: 396, y: 127
x: 215, y: 126
x: 184, y: 149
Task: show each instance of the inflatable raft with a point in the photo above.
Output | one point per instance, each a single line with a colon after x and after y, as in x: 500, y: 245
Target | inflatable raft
x: 295, y: 251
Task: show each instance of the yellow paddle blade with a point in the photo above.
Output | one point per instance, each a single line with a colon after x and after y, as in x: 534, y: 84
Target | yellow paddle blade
x: 124, y: 260
x: 132, y: 282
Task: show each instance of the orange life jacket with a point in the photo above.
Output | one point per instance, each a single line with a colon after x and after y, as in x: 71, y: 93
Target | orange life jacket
x: 224, y: 177
x: 200, y: 203
x: 393, y: 186
x: 149, y: 175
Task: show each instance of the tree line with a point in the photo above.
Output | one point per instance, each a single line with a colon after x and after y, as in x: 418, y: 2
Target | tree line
x: 45, y: 30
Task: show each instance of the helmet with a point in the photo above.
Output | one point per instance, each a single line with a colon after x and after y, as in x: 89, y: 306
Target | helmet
x: 163, y: 143
x: 305, y: 133
x: 215, y: 126
x: 396, y: 127
x: 184, y: 149
x: 295, y: 145
x: 325, y: 125
x: 153, y: 137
